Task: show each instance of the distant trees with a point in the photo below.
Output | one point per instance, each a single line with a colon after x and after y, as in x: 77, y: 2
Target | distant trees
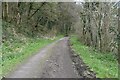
x: 67, y: 16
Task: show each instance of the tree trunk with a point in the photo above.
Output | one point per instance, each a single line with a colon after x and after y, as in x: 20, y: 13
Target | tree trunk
x: 119, y: 38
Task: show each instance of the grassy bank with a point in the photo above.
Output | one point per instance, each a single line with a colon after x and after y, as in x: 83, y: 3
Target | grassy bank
x: 104, y: 64
x: 16, y: 52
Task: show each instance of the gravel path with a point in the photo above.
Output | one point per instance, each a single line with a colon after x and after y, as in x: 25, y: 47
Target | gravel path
x: 53, y: 61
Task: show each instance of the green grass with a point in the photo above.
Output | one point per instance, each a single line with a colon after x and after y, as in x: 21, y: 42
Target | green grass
x: 16, y: 52
x: 104, y: 64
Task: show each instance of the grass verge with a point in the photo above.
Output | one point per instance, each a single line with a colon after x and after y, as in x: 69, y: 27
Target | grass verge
x: 14, y: 53
x: 104, y: 64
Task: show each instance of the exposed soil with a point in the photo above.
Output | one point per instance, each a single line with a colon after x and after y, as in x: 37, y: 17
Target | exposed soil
x: 57, y: 60
x: 79, y: 65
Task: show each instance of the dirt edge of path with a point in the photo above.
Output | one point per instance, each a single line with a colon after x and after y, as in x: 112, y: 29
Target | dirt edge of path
x: 82, y: 69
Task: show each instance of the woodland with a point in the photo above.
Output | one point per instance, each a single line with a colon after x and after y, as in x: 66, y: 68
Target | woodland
x: 93, y: 24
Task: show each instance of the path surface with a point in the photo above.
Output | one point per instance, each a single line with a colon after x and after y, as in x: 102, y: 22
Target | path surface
x: 53, y: 61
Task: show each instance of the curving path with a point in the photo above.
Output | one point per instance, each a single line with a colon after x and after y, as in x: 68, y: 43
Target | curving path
x: 52, y: 61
